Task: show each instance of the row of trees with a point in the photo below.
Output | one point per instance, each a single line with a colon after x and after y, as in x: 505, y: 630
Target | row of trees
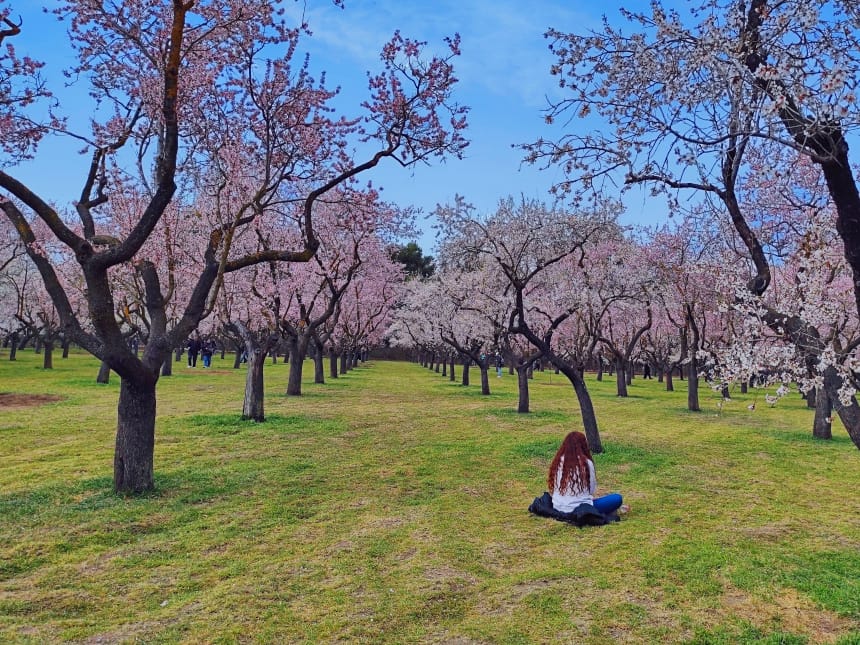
x: 219, y: 181
x: 712, y: 108
x: 336, y: 304
x: 740, y: 113
x: 578, y: 291
x: 214, y: 158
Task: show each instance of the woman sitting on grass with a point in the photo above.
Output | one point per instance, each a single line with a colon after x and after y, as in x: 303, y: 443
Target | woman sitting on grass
x: 572, y: 480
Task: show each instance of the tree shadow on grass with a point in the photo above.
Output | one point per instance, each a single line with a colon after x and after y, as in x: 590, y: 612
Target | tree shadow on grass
x: 614, y: 454
x: 539, y: 415
x: 230, y: 424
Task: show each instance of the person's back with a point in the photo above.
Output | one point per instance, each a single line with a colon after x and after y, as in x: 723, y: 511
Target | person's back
x: 193, y: 351
x: 566, y: 498
x: 572, y: 479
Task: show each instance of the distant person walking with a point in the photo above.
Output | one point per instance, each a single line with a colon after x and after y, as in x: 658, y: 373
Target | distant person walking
x: 206, y: 350
x: 194, y: 347
x: 499, y: 363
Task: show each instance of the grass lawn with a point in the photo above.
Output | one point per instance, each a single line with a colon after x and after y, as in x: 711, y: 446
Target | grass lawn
x: 389, y: 506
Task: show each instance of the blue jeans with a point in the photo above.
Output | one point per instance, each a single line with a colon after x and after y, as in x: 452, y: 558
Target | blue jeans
x: 608, y: 503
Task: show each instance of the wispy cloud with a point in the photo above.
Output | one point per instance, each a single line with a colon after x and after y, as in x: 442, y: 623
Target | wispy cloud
x: 504, y: 52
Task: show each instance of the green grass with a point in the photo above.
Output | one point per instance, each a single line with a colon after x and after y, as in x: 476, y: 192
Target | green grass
x: 390, y: 506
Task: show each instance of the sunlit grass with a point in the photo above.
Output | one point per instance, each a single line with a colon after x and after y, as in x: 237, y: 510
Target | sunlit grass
x: 390, y: 506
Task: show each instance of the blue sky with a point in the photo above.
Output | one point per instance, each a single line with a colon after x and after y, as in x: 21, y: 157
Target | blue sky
x: 504, y: 79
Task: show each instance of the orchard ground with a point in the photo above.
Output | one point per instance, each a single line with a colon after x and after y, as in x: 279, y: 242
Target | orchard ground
x: 389, y: 505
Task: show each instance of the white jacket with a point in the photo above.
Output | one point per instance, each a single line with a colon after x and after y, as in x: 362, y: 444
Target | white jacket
x: 566, y: 501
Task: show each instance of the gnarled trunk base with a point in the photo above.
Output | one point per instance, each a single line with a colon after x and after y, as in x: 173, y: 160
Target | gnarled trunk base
x: 252, y: 407
x: 822, y: 425
x: 135, y: 437
x: 485, y: 381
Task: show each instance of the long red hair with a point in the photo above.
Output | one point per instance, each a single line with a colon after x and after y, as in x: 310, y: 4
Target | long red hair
x: 572, y: 456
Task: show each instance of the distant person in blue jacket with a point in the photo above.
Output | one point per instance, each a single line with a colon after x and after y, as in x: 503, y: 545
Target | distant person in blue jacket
x: 206, y: 349
x: 572, y: 480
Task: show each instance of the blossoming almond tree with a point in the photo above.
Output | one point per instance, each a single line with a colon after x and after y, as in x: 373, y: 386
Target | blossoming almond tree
x: 620, y: 285
x: 816, y: 339
x: 14, y: 266
x: 178, y: 81
x: 364, y: 309
x: 21, y: 85
x: 685, y: 98
x: 525, y: 240
x: 351, y: 232
x: 685, y: 255
x: 470, y: 311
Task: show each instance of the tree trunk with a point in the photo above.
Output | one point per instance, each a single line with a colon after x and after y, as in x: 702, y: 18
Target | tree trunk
x: 252, y: 407
x: 485, y: 380
x: 104, y: 373
x: 237, y: 359
x: 294, y: 384
x: 848, y: 414
x: 451, y: 376
x: 586, y: 408
x: 135, y: 437
x: 466, y: 365
x: 66, y: 345
x: 48, y: 360
x: 670, y: 385
x: 812, y: 398
x: 332, y: 363
x: 343, y: 362
x: 692, y: 386
x: 444, y: 366
x: 319, y: 367
x: 523, y: 386
x: 167, y: 367
x: 319, y: 364
x: 621, y: 380
x: 177, y: 355
x: 822, y: 425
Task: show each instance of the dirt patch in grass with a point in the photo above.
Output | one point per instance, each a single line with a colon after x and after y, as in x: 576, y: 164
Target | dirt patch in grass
x: 14, y: 400
x: 773, y: 532
x: 449, y: 577
x: 505, y: 603
x: 790, y: 611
